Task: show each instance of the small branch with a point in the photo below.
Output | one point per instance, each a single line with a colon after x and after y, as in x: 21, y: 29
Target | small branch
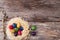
x: 4, y: 27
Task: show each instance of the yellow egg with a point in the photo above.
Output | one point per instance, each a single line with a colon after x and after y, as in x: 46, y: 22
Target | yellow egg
x: 18, y: 25
x: 12, y: 30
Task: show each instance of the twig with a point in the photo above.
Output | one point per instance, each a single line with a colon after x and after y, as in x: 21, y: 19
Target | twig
x: 4, y: 19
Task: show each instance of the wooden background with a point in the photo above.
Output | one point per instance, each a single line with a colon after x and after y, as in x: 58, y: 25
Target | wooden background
x: 44, y: 12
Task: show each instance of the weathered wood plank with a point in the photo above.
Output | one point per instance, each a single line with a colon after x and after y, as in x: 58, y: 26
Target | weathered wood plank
x: 35, y: 11
x: 47, y: 10
x: 45, y: 31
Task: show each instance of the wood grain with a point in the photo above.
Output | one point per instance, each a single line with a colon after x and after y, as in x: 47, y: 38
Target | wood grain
x: 47, y: 10
x: 43, y: 13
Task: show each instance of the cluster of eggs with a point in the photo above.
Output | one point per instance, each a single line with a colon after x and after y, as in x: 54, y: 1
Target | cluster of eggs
x: 16, y: 29
x: 33, y: 30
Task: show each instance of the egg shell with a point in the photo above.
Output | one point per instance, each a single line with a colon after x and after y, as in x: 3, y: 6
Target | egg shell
x: 15, y: 34
x: 16, y: 29
x: 33, y: 27
x: 19, y: 32
x: 21, y: 28
x: 14, y: 25
x: 12, y: 30
x: 18, y: 25
x: 33, y: 33
x: 10, y: 27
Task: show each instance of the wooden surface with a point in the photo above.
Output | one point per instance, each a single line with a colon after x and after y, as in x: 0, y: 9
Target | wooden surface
x: 43, y: 13
x: 45, y: 31
x: 47, y: 10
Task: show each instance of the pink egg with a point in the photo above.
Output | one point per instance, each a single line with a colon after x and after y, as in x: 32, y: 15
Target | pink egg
x: 19, y: 32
